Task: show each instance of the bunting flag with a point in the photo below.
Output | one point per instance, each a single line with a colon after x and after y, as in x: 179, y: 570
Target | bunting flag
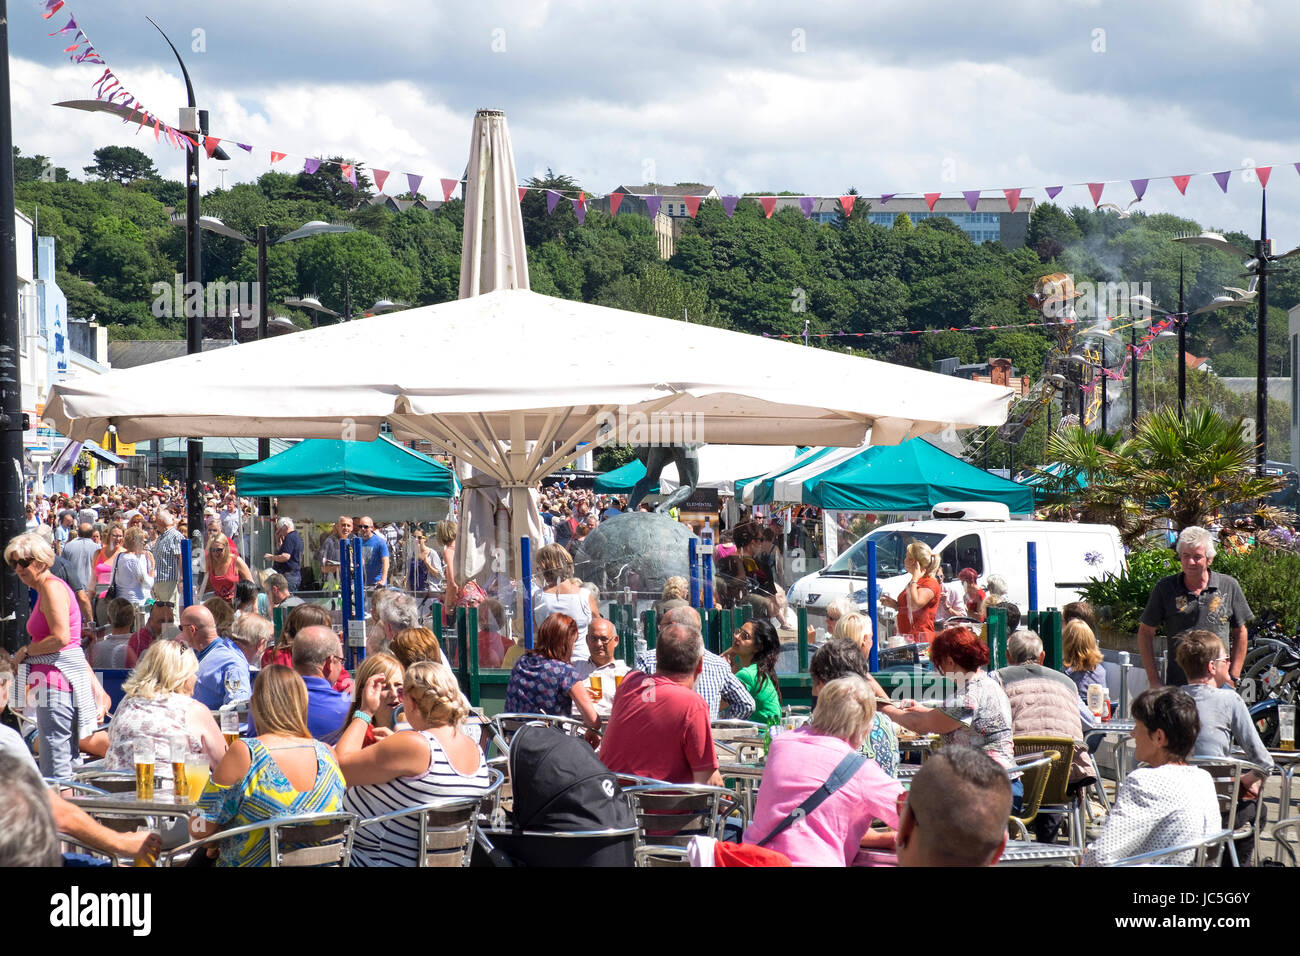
x: 381, y: 177
x: 310, y: 166
x: 931, y: 199
x: 210, y: 144
x: 1095, y: 189
x: 614, y: 200
x: 847, y: 203
x: 72, y: 25
x: 885, y: 197
x: 448, y: 186
x: 552, y: 197
x: 806, y: 204
x: 769, y: 205
x: 245, y: 147
x: 51, y: 8
x: 276, y: 157
x: 348, y: 172
x: 522, y: 190
x: 1054, y: 191
x: 413, y: 183
x: 579, y: 209
x: 1263, y: 172
x: 1182, y: 181
x: 692, y: 204
x: 729, y: 202
x: 1013, y: 198
x: 652, y: 204
x: 1222, y: 179
x: 972, y: 197
x: 1139, y: 187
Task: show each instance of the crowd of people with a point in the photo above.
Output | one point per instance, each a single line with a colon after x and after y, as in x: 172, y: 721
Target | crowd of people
x: 103, y: 571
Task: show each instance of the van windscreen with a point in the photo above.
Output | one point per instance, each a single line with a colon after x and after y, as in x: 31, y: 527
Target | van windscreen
x: 891, y: 547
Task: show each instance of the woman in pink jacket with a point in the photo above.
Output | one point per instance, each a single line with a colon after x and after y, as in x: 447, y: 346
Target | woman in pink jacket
x: 802, y: 760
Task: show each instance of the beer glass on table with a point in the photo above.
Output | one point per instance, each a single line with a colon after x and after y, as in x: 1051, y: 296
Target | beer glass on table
x: 144, y: 770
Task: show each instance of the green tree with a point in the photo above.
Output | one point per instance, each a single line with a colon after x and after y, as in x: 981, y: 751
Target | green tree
x: 1050, y: 231
x: 121, y: 164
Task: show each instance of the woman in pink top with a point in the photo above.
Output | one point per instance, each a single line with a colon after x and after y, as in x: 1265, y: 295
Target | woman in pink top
x: 800, y: 761
x: 52, y: 664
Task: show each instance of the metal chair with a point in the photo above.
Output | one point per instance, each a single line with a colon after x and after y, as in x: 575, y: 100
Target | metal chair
x: 741, y: 739
x: 447, y: 829
x: 110, y: 781
x: 1227, y: 773
x: 75, y: 786
x: 1056, y: 797
x: 669, y: 814
x: 1205, y: 853
x: 1034, y: 770
x: 1283, y: 852
x: 316, y: 839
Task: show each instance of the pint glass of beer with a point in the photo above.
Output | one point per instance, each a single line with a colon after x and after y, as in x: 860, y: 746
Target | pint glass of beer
x: 229, y: 725
x: 595, y: 684
x: 144, y: 757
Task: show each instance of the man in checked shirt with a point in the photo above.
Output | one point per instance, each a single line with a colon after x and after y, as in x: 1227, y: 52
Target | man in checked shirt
x: 716, y: 682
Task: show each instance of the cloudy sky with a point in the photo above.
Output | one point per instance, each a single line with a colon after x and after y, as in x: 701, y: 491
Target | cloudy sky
x: 903, y: 96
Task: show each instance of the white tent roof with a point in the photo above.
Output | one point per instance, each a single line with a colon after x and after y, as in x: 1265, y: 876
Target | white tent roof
x: 721, y: 465
x: 493, y: 367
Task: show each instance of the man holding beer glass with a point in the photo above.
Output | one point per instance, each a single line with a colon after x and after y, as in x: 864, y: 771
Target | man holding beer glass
x: 603, y: 672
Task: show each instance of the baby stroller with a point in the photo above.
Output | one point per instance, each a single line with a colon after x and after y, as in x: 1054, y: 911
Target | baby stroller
x: 568, y: 808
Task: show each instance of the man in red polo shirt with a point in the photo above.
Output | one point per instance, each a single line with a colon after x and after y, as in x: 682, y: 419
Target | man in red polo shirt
x: 659, y: 727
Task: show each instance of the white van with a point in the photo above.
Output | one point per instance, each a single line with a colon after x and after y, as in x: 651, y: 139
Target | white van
x: 979, y: 535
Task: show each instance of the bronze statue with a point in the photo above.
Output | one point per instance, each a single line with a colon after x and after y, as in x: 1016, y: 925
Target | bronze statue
x: 655, y: 457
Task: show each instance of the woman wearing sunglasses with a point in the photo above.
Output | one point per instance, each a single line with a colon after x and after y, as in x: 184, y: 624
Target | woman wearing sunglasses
x: 53, y: 663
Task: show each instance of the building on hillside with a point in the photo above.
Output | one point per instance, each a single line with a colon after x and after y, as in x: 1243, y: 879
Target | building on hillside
x: 991, y: 221
x: 672, y: 214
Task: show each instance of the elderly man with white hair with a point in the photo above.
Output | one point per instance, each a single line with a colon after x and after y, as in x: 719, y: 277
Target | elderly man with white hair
x: 287, y: 556
x: 1196, y: 599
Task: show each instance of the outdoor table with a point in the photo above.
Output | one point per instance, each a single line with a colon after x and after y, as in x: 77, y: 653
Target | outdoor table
x: 747, y: 777
x: 1120, y: 728
x: 126, y: 804
x: 1029, y: 853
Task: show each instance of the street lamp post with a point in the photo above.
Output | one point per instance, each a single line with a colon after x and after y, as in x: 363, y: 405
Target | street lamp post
x: 1257, y: 265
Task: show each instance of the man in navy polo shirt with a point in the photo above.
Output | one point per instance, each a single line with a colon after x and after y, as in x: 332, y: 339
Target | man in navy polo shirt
x: 318, y: 659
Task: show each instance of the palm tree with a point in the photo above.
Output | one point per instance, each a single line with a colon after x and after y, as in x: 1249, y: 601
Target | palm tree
x: 1171, y: 472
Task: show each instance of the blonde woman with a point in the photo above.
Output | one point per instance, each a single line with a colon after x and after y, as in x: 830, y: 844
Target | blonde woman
x: 157, y: 706
x: 105, y: 561
x: 856, y: 628
x: 384, y: 721
x: 431, y: 760
x: 559, y: 595
x: 280, y: 772
x: 919, y: 602
x: 1082, y: 657
x: 676, y: 594
x: 444, y: 533
x: 223, y: 570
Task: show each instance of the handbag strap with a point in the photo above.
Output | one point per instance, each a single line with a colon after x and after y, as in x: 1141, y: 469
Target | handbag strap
x: 841, y: 775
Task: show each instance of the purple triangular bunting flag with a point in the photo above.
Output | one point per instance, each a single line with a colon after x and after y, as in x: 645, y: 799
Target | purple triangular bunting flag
x: 1139, y: 187
x: 652, y: 204
x: 885, y: 197
x: 972, y: 197
x: 729, y: 202
x: 579, y: 209
x: 1222, y: 179
x: 806, y: 204
x: 245, y: 147
x: 310, y: 166
x: 552, y: 198
x: 413, y: 183
x: 1054, y: 191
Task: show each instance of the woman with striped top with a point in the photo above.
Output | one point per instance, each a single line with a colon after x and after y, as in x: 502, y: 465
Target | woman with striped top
x: 433, y: 759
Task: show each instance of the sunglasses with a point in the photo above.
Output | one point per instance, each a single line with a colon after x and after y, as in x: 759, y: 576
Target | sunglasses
x: 21, y: 562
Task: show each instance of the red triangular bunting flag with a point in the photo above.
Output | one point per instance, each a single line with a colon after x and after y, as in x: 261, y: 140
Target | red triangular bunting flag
x: 614, y: 200
x: 1095, y: 189
x: 1263, y: 173
x: 931, y: 199
x: 447, y: 186
x: 381, y: 177
x: 522, y: 190
x: 276, y: 157
x: 769, y: 205
x: 1013, y: 198
x: 347, y: 171
x: 692, y: 204
x: 1181, y: 182
x: 210, y: 144
x: 847, y: 203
